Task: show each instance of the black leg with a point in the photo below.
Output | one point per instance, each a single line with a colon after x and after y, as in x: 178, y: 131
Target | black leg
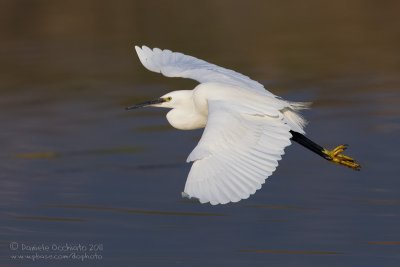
x: 334, y: 155
x: 304, y: 141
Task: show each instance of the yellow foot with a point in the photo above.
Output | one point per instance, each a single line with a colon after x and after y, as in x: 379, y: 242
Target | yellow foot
x: 336, y: 156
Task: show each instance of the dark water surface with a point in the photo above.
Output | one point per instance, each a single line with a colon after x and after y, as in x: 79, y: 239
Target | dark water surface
x: 77, y: 169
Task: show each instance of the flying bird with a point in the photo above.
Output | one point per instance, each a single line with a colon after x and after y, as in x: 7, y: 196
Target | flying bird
x: 246, y: 127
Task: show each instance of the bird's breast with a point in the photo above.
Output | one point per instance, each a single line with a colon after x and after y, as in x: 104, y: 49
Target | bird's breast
x: 186, y: 119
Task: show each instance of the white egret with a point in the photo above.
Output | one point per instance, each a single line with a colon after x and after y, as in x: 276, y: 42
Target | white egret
x: 246, y: 127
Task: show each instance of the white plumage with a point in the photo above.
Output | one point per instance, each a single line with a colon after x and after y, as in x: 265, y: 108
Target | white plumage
x: 246, y: 127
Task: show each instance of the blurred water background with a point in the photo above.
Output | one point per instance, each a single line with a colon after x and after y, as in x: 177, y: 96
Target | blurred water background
x: 76, y: 168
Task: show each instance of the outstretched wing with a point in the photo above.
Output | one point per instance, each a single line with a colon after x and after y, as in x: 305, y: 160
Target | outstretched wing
x: 239, y: 149
x: 173, y: 64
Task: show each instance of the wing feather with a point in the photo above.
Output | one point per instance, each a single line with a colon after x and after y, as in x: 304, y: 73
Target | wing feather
x: 174, y: 64
x: 234, y: 155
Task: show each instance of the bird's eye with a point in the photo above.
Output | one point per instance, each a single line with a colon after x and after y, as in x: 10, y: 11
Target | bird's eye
x: 168, y: 98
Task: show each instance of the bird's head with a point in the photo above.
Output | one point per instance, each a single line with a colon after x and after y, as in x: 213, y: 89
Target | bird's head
x: 171, y: 100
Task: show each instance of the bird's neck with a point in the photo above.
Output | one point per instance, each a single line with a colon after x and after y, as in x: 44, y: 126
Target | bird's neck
x: 186, y: 118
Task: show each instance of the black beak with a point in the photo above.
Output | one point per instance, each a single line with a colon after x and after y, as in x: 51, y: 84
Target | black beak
x: 147, y: 103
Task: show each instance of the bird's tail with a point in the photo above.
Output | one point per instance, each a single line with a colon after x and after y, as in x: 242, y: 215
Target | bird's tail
x: 300, y: 105
x: 295, y: 120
